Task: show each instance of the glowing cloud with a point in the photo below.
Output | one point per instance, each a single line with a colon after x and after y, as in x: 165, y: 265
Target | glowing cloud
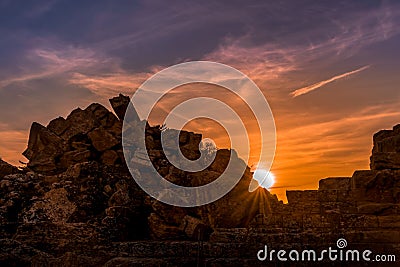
x: 317, y: 85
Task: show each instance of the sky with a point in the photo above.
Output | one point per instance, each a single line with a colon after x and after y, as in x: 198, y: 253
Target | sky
x: 329, y: 69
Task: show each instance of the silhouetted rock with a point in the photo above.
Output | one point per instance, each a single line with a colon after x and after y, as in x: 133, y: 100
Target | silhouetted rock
x: 386, y: 150
x: 76, y: 203
x: 44, y: 147
x: 120, y: 104
x: 6, y: 169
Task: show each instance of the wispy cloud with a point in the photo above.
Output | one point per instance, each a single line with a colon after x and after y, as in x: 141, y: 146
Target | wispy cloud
x: 318, y: 85
x: 47, y: 62
x: 268, y: 62
x: 110, y: 84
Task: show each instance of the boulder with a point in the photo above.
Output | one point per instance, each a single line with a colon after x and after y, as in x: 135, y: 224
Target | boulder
x: 109, y: 157
x: 102, y: 139
x: 58, y: 126
x: 75, y: 156
x: 44, y: 147
x: 79, y: 122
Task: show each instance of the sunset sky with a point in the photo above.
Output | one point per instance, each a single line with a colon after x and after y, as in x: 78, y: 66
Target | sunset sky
x: 329, y: 69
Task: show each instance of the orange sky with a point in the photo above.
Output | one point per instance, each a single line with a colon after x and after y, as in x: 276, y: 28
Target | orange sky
x: 329, y: 70
x: 308, y: 147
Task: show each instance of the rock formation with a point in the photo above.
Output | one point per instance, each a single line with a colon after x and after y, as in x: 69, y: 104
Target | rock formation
x: 76, y: 204
x: 386, y: 151
x: 6, y: 169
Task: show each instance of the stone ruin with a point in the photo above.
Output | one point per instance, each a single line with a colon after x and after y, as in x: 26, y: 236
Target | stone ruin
x: 76, y: 204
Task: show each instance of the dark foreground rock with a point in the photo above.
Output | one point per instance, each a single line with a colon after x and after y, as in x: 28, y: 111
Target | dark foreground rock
x: 76, y: 203
x: 6, y: 169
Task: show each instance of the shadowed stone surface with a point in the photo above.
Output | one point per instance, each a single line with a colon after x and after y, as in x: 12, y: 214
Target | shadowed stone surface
x: 6, y: 169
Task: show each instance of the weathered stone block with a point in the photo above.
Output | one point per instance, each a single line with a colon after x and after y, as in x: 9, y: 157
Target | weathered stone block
x: 327, y: 195
x: 361, y: 178
x: 338, y: 183
x: 345, y: 196
x: 386, y: 150
x: 385, y: 160
x: 300, y: 196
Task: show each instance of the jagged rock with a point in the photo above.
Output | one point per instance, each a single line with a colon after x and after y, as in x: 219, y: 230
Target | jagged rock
x: 120, y: 104
x: 79, y: 122
x: 81, y: 137
x: 102, y: 139
x: 44, y: 147
x: 72, y: 157
x: 6, y: 169
x: 58, y: 126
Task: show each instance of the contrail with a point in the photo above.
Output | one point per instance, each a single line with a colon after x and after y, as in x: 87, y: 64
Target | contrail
x: 317, y: 85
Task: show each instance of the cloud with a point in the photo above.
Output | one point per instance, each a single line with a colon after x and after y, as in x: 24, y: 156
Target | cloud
x: 270, y: 62
x: 107, y: 85
x: 274, y: 47
x: 46, y: 62
x: 317, y: 85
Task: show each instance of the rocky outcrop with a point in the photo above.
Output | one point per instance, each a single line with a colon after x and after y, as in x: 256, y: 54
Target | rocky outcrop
x: 76, y: 203
x: 386, y: 150
x: 6, y: 169
x: 85, y: 135
x: 120, y: 104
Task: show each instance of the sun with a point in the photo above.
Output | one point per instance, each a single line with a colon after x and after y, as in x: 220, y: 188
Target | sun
x: 263, y: 178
